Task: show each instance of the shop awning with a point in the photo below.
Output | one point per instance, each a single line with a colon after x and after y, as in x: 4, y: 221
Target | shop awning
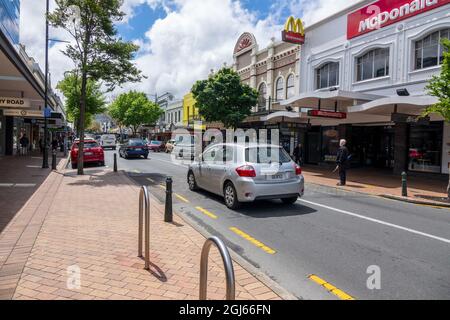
x: 413, y: 105
x: 280, y: 115
x: 328, y: 99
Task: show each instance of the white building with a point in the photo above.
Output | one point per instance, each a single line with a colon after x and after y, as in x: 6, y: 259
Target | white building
x: 174, y: 114
x: 365, y: 68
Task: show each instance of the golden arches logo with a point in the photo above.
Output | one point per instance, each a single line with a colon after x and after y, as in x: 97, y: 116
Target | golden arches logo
x: 294, y: 25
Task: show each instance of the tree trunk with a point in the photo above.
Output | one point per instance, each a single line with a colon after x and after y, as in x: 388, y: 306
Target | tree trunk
x: 82, y: 120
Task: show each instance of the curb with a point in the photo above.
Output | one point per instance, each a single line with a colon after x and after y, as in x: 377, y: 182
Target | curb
x: 416, y: 201
x: 262, y: 277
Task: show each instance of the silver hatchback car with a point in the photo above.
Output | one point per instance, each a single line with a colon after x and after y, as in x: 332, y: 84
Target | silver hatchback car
x: 247, y: 172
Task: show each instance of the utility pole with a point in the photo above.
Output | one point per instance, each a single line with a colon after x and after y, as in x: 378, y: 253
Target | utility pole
x: 45, y: 155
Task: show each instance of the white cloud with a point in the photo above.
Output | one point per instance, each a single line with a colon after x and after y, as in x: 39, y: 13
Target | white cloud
x: 194, y: 37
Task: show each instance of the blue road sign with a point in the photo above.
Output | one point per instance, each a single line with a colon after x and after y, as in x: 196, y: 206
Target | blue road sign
x: 47, y: 112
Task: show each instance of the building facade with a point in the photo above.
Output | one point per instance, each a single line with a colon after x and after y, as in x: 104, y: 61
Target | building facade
x: 174, y: 114
x: 274, y: 72
x: 22, y: 88
x: 363, y: 73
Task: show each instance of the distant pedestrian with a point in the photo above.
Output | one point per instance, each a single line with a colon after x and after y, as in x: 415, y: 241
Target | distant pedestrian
x: 41, y: 145
x: 54, y: 144
x: 342, y: 161
x: 24, y: 142
x: 298, y: 154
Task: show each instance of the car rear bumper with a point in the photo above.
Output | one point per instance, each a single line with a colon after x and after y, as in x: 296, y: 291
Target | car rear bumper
x: 90, y: 159
x: 248, y: 191
x: 132, y: 153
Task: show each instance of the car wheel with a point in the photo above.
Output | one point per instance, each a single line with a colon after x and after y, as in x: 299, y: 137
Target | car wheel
x: 114, y: 148
x: 146, y: 156
x: 74, y: 165
x: 291, y: 200
x: 191, y: 181
x: 230, y: 196
x: 102, y: 163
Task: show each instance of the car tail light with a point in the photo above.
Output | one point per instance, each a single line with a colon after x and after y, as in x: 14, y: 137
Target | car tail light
x: 246, y: 171
x: 298, y: 170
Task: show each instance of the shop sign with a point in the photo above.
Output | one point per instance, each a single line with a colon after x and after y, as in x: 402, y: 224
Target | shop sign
x: 14, y: 102
x: 411, y: 119
x: 327, y: 114
x: 293, y: 32
x: 386, y: 12
x: 23, y: 113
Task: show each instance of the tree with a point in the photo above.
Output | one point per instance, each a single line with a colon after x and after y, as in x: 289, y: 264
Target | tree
x: 224, y: 98
x: 134, y: 109
x: 439, y: 86
x: 94, y: 127
x: 70, y: 86
x: 96, y: 51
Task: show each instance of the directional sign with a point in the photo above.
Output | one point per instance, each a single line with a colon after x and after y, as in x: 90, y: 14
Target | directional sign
x: 47, y: 112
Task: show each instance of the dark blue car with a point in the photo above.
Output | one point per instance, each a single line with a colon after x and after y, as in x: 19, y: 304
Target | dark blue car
x: 135, y: 148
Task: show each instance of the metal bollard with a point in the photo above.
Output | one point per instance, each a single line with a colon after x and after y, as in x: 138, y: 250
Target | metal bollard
x: 54, y: 160
x: 168, y: 214
x: 115, y: 162
x: 404, y: 185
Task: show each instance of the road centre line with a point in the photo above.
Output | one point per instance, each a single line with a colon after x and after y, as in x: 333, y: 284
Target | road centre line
x: 252, y: 240
x: 206, y: 212
x: 329, y: 287
x: 377, y: 221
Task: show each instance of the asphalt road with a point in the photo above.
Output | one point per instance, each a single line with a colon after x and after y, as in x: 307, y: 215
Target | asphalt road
x: 340, y: 237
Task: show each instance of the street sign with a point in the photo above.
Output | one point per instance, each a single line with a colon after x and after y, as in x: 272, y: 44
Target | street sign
x: 408, y: 118
x: 47, y: 112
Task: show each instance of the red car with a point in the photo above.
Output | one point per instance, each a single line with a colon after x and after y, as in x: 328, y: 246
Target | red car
x: 93, y: 153
x: 156, y: 146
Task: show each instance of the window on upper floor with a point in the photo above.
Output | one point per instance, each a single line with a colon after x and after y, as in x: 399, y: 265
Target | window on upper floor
x: 429, y: 50
x: 290, y: 87
x: 279, y: 89
x: 327, y: 75
x: 373, y: 64
x: 262, y: 96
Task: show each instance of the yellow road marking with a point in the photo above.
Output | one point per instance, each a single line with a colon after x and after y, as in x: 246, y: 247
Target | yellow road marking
x: 252, y: 240
x: 151, y: 180
x: 136, y: 171
x: 181, y: 198
x: 331, y: 288
x: 162, y: 187
x: 206, y: 212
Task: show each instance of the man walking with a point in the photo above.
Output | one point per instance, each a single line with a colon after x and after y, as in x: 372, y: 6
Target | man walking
x: 298, y: 154
x: 24, y: 144
x: 342, y: 160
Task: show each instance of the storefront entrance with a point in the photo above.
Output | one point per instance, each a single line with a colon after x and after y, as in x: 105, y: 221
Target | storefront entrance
x: 372, y: 146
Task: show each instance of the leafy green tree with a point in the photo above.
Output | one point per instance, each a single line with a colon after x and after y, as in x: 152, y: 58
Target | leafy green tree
x: 134, y: 109
x: 96, y: 51
x: 439, y: 86
x: 224, y: 98
x: 70, y: 86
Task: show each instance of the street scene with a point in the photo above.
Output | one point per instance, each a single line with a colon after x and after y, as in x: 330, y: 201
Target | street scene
x: 225, y: 150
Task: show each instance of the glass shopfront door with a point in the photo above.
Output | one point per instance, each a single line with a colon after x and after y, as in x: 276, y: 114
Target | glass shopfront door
x: 425, y: 147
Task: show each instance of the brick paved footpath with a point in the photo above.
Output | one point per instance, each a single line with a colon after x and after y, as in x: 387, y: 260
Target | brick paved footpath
x: 91, y: 222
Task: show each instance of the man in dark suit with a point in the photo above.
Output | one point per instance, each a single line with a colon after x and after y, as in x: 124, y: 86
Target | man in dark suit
x: 342, y: 162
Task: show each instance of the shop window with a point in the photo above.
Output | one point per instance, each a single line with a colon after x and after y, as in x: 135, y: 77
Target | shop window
x: 425, y: 147
x: 330, y: 143
x: 429, y: 50
x: 279, y: 89
x: 327, y: 75
x: 290, y: 87
x: 373, y: 64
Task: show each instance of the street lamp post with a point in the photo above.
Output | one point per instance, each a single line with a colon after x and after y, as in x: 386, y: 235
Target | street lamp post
x: 45, y: 155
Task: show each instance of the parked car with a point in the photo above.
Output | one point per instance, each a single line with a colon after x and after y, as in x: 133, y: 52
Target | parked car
x: 184, y: 148
x: 246, y: 173
x: 169, y: 146
x: 156, y: 146
x: 134, y: 148
x: 108, y: 141
x: 92, y: 153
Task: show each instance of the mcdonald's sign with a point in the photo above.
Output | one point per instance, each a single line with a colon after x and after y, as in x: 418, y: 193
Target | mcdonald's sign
x: 294, y: 31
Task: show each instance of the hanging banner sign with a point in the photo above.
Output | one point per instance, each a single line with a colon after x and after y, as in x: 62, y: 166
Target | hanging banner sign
x: 386, y: 12
x: 6, y: 102
x: 411, y: 119
x: 294, y: 31
x: 327, y: 114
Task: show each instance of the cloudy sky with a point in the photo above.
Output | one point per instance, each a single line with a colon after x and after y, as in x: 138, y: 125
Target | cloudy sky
x: 180, y: 40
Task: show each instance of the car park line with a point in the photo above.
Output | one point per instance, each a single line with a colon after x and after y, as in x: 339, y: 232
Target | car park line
x: 376, y: 221
x: 206, y: 212
x: 181, y: 198
x: 331, y: 288
x: 252, y: 240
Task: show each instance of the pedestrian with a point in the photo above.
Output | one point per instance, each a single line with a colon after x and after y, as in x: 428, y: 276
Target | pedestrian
x: 24, y: 144
x: 342, y: 161
x: 298, y: 154
x: 41, y: 145
x: 54, y: 144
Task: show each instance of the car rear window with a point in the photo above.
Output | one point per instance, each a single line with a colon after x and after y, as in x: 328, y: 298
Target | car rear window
x: 88, y: 144
x: 135, y: 143
x: 266, y: 155
x: 156, y: 142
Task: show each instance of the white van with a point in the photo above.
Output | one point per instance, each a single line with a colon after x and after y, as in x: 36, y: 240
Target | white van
x: 108, y: 141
